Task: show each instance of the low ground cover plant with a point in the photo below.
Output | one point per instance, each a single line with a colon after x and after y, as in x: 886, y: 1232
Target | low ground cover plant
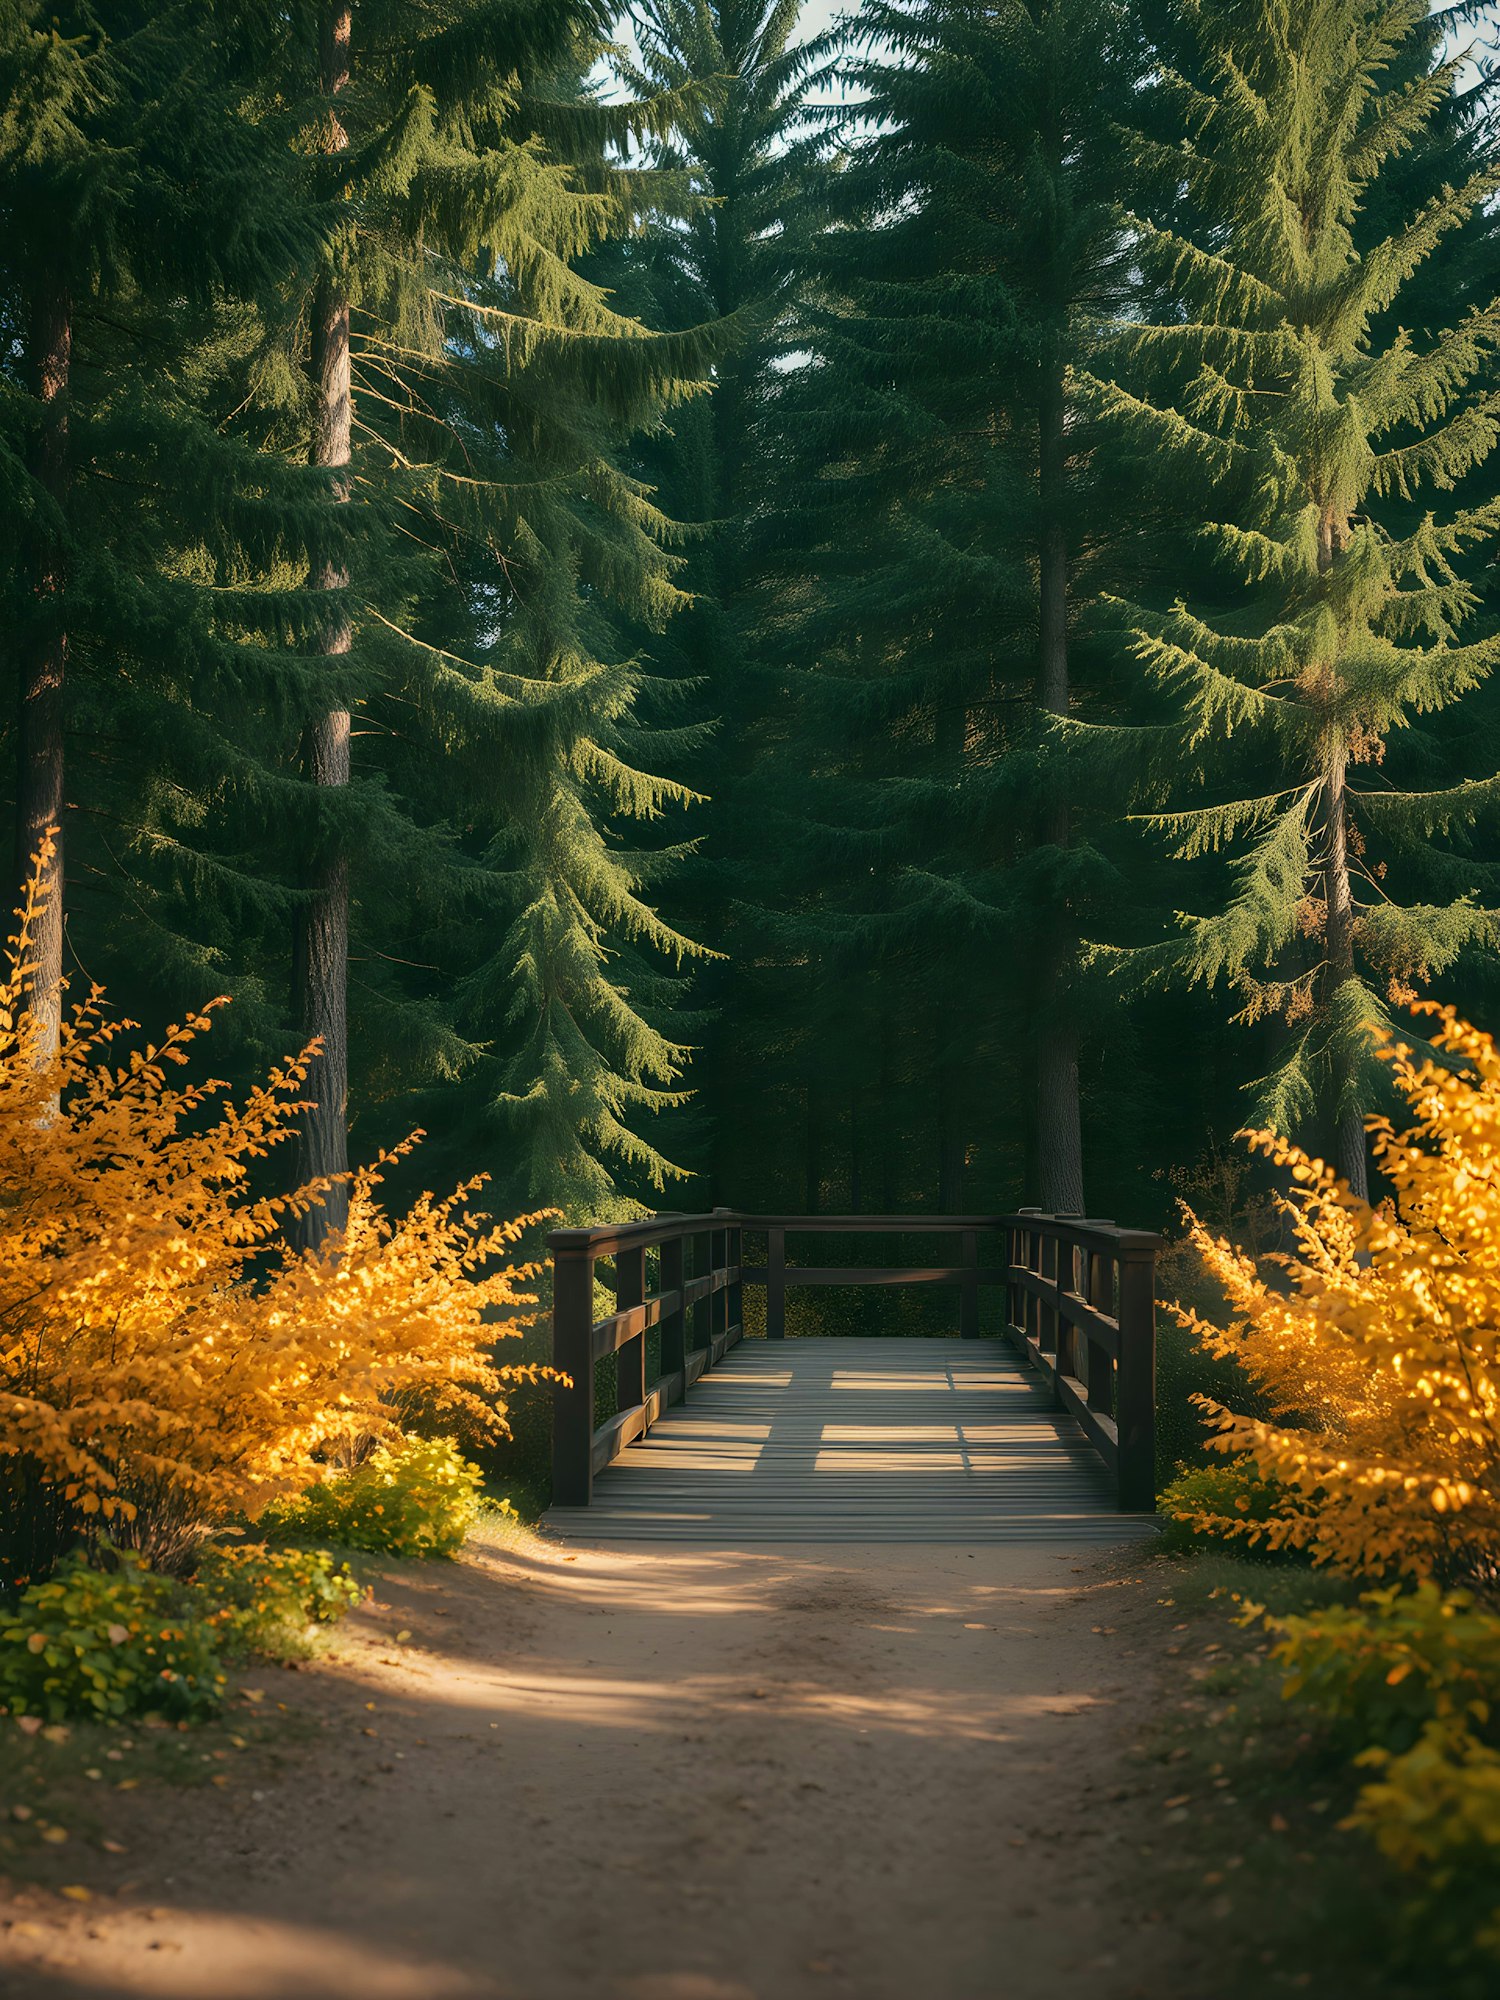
x: 107, y: 1644
x: 1375, y: 1351
x: 265, y: 1600
x: 419, y: 1497
x: 103, y: 1643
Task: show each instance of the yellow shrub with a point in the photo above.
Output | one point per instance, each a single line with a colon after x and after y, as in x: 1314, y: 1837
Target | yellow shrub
x: 165, y: 1359
x: 1380, y: 1366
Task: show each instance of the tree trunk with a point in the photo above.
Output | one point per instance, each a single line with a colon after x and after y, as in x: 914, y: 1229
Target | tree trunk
x: 1059, y: 1124
x: 320, y: 957
x: 40, y: 747
x: 1352, y: 1153
x: 1351, y: 1150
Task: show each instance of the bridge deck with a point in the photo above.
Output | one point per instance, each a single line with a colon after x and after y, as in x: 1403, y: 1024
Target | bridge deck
x: 857, y: 1441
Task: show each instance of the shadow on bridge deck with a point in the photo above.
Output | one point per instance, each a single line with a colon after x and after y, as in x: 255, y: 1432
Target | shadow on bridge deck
x: 937, y: 1441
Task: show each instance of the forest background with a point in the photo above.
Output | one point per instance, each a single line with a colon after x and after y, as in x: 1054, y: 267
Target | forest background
x: 697, y: 602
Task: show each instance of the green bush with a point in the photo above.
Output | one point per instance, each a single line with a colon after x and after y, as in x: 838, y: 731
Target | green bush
x: 1434, y: 1812
x: 1382, y: 1669
x: 1408, y: 1679
x: 105, y: 1644
x: 264, y: 1599
x: 418, y: 1498
x: 1226, y: 1489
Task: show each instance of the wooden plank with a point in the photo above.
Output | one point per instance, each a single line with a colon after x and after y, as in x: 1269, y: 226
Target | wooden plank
x: 614, y: 1331
x: 1100, y: 1327
x: 697, y: 1289
x: 947, y: 1442
x: 854, y: 1274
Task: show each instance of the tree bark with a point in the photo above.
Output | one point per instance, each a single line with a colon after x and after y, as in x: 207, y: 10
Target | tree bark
x: 320, y: 958
x: 40, y: 759
x: 1351, y: 1150
x: 1352, y: 1153
x: 1059, y: 1122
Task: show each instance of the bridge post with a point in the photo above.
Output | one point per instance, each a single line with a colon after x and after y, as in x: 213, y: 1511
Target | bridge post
x: 776, y: 1284
x: 701, y: 1330
x: 630, y: 1361
x: 1065, y: 1279
x: 1135, y: 1378
x: 1024, y: 1257
x: 671, y: 1277
x: 734, y: 1296
x: 573, y: 1354
x: 718, y: 1259
x: 1098, y: 1288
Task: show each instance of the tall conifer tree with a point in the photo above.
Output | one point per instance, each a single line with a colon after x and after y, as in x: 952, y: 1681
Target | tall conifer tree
x: 939, y: 554
x: 1316, y: 632
x: 748, y: 140
x: 133, y: 204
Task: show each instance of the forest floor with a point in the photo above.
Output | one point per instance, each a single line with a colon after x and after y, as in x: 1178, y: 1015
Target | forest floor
x: 553, y: 1773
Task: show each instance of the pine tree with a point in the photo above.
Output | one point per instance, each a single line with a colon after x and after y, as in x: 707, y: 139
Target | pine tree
x: 124, y: 176
x: 503, y: 386
x: 404, y: 294
x: 940, y: 545
x: 1293, y: 664
x: 747, y: 141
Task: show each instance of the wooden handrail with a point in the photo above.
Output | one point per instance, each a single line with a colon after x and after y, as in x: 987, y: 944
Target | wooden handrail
x: 700, y: 1317
x: 1080, y: 1306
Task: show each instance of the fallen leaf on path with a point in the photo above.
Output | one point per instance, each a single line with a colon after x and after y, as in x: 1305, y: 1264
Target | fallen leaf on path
x: 76, y: 1893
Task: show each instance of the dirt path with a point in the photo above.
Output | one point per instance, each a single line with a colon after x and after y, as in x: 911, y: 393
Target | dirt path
x: 851, y: 1774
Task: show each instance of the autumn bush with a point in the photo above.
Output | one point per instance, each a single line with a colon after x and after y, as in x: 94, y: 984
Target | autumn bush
x: 1374, y: 1350
x: 1376, y: 1346
x: 167, y: 1362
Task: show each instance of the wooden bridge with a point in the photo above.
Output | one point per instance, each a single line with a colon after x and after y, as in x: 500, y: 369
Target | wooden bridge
x: 1041, y: 1431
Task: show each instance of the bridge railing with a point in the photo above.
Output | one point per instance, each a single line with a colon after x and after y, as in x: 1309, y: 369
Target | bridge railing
x: 1079, y: 1303
x: 699, y: 1313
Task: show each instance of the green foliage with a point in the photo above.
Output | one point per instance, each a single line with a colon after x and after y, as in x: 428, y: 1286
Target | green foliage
x: 1229, y: 1489
x: 1383, y: 1669
x: 265, y: 1598
x: 1408, y: 1679
x: 105, y: 1643
x: 1434, y: 1812
x: 419, y: 1498
x: 109, y: 1643
x: 1286, y: 678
